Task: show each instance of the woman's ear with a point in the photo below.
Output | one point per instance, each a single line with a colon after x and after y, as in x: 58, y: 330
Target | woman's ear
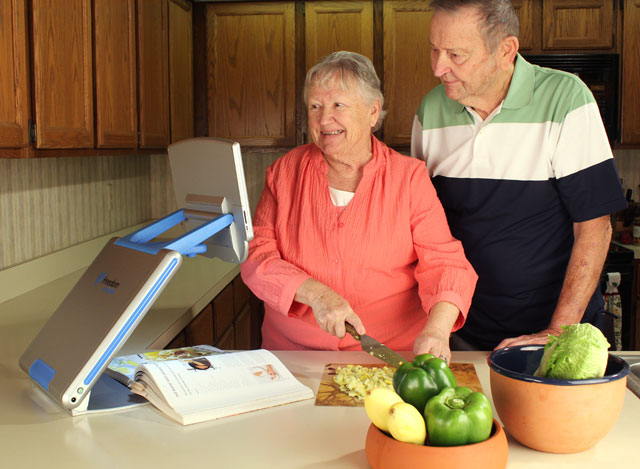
x: 375, y: 112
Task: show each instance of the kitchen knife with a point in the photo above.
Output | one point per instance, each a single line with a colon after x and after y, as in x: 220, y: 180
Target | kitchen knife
x: 375, y: 348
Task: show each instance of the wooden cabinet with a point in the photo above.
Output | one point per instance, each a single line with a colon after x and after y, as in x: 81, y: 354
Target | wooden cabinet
x: 571, y: 24
x: 530, y: 18
x: 251, y: 72
x: 181, y: 69
x: 334, y: 26
x: 153, y: 73
x: 200, y: 330
x: 630, y: 72
x: 407, y: 65
x: 247, y: 103
x: 115, y: 66
x: 63, y: 73
x: 94, y: 60
x: 554, y: 25
x: 224, y: 313
x: 242, y: 329
x: 14, y: 84
x: 232, y: 321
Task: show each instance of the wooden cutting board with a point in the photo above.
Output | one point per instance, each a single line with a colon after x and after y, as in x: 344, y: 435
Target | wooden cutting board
x: 329, y: 393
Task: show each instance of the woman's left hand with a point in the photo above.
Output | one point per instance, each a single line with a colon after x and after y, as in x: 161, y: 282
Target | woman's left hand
x: 434, y: 338
x: 436, y: 344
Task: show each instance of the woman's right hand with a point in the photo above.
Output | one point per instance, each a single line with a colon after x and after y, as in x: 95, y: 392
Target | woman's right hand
x: 330, y: 309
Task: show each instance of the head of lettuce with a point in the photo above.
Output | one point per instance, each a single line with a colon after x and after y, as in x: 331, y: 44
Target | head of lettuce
x: 579, y: 352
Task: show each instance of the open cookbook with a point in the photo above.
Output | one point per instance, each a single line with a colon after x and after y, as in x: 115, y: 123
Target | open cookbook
x: 195, y: 384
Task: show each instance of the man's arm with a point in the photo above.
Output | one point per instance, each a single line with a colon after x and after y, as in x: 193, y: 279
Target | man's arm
x: 591, y: 243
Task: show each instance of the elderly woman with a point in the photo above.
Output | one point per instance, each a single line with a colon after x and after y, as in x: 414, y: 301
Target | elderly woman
x: 348, y: 230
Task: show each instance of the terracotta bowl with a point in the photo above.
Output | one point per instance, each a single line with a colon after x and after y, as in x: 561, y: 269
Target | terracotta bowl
x: 383, y: 452
x: 552, y: 415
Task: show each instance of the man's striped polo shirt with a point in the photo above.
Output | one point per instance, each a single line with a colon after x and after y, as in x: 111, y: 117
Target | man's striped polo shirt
x: 512, y: 186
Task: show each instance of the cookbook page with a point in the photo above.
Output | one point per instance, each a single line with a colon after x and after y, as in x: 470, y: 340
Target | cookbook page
x: 192, y: 385
x: 123, y: 368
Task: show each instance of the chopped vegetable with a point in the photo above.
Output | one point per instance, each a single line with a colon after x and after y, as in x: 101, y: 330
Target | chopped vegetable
x: 579, y: 352
x: 355, y: 380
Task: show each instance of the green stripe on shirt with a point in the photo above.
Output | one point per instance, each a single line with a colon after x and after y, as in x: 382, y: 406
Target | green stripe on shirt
x: 550, y: 87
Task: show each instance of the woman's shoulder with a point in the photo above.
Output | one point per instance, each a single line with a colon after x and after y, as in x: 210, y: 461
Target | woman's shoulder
x: 401, y: 161
x: 294, y: 158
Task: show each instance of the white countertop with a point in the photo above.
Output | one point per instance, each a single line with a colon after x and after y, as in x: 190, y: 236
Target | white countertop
x: 298, y: 435
x: 36, y: 433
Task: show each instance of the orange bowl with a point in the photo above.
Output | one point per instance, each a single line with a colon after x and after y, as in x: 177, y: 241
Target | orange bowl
x: 553, y: 415
x: 383, y: 452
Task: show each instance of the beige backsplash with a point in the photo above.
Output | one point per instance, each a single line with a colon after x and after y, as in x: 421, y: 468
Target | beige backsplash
x: 48, y: 204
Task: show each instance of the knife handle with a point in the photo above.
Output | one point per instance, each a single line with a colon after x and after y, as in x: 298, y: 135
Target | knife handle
x: 352, y: 330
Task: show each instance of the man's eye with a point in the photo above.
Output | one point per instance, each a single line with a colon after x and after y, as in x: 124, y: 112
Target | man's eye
x: 457, y: 58
x: 314, y: 106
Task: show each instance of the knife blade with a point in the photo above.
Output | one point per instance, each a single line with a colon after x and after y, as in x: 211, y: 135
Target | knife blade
x: 375, y: 348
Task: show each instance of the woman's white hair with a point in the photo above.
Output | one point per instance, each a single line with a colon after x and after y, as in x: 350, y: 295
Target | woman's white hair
x: 351, y: 70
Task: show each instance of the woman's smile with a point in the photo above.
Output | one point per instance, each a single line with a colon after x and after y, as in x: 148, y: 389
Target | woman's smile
x: 340, y: 121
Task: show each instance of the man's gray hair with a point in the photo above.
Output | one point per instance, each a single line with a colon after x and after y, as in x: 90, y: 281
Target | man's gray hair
x: 498, y: 18
x: 349, y: 68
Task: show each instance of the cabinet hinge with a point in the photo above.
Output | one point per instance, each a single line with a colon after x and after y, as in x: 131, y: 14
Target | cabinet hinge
x: 32, y: 132
x: 139, y: 138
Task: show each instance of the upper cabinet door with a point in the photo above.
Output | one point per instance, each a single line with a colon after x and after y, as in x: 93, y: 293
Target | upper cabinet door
x: 529, y: 16
x: 153, y: 73
x: 334, y: 26
x: 407, y: 65
x: 181, y: 69
x: 115, y: 65
x: 584, y: 24
x: 630, y: 72
x: 14, y: 89
x: 63, y: 75
x: 251, y: 72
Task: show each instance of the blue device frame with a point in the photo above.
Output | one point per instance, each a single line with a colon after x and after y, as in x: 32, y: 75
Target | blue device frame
x: 189, y: 244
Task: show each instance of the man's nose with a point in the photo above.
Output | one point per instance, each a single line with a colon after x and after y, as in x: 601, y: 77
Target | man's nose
x: 439, y: 64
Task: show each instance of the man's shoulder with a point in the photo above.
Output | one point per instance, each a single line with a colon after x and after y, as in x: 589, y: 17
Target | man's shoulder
x: 437, y: 110
x: 434, y: 97
x: 560, y: 86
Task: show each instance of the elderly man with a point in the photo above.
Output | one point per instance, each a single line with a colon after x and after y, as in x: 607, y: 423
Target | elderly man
x: 520, y: 160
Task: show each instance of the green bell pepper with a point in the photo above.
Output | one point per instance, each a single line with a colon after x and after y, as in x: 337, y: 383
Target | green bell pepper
x: 418, y: 381
x: 458, y: 416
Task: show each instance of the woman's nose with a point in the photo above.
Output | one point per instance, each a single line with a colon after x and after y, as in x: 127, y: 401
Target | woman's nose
x: 326, y: 114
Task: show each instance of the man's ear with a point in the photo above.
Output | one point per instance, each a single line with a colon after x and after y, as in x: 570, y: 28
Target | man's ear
x: 508, y: 48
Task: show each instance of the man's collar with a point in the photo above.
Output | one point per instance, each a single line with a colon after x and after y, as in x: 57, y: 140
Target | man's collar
x: 521, y: 88
x: 454, y: 106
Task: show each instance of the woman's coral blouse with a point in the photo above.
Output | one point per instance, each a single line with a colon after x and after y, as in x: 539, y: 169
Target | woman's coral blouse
x: 389, y: 252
